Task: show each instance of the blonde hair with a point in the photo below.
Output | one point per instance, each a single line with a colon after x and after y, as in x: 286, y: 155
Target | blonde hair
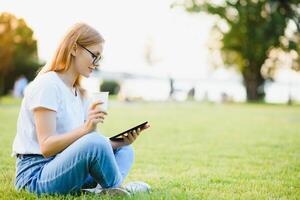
x: 80, y: 33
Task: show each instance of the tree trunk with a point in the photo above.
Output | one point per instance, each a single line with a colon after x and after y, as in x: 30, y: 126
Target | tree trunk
x: 1, y: 85
x: 252, y: 89
x: 252, y: 80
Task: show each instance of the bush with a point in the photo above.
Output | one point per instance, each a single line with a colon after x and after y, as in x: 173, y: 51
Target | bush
x: 112, y: 87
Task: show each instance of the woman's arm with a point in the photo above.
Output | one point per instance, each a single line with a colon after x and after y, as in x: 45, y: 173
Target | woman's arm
x: 50, y: 142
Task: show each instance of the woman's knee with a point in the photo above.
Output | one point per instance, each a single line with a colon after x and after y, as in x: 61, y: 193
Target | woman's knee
x: 127, y: 150
x: 96, y: 143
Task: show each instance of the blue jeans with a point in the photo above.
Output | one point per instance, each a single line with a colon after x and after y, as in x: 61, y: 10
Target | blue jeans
x: 86, y: 162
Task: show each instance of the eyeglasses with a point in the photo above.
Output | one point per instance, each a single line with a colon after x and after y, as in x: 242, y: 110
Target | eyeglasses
x: 96, y: 59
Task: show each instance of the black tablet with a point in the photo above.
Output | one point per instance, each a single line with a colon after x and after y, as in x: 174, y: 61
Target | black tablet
x: 119, y: 137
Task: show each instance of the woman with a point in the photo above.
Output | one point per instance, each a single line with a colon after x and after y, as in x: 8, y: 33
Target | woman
x: 57, y: 148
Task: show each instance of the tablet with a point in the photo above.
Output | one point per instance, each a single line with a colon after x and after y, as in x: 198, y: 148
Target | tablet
x: 119, y: 137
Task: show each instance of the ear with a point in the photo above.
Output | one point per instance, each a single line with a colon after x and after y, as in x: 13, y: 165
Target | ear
x: 74, y: 50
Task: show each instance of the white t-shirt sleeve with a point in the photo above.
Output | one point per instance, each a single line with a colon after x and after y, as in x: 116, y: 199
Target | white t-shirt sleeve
x: 46, y: 95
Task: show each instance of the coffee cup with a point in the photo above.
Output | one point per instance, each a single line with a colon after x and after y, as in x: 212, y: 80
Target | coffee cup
x: 103, y: 98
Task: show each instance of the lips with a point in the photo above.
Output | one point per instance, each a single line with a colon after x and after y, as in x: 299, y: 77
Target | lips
x: 91, y: 70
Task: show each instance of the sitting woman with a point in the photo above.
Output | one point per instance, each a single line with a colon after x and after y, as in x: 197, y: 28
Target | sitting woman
x: 57, y: 147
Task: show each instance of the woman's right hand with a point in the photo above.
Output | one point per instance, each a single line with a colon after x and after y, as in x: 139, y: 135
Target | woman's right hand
x: 95, y: 116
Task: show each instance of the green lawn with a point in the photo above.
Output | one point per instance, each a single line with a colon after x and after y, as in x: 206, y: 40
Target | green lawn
x: 194, y: 150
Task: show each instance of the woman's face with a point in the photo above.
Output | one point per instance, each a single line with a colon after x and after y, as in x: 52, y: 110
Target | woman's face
x: 84, y: 59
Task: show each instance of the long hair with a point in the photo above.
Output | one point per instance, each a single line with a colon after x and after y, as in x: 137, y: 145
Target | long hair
x: 80, y: 33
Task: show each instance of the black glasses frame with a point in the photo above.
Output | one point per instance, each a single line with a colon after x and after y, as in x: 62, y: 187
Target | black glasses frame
x: 96, y: 58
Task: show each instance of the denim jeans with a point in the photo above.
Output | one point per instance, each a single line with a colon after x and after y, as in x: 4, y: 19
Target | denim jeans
x: 86, y: 162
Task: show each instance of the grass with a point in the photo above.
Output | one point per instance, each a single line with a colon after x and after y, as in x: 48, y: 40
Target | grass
x: 194, y: 150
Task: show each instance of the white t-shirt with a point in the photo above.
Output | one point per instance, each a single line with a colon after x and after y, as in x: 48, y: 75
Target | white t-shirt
x: 48, y: 91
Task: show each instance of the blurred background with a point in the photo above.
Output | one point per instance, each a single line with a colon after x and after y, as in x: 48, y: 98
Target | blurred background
x: 189, y: 67
x: 216, y: 51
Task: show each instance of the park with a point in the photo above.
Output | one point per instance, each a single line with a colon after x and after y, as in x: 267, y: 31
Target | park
x: 218, y: 82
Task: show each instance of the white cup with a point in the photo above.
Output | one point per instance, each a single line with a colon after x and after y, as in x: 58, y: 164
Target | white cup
x: 102, y: 97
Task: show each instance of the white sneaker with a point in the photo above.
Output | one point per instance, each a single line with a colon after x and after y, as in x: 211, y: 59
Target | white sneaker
x: 137, y: 187
x: 95, y: 190
x: 114, y: 192
x: 107, y: 191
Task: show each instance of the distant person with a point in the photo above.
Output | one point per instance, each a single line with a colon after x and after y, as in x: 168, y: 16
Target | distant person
x: 171, y: 81
x: 57, y: 147
x: 19, y: 86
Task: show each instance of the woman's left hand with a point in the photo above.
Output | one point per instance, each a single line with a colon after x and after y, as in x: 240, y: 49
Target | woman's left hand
x: 129, y: 138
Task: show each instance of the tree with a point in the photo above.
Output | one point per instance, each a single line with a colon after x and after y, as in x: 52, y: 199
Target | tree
x: 18, y: 51
x: 255, y: 27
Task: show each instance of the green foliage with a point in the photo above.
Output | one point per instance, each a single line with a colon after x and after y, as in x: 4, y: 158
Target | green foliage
x: 254, y: 28
x: 18, y: 51
x: 194, y: 151
x: 112, y: 87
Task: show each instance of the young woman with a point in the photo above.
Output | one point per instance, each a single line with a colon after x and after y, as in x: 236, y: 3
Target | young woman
x: 57, y: 147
